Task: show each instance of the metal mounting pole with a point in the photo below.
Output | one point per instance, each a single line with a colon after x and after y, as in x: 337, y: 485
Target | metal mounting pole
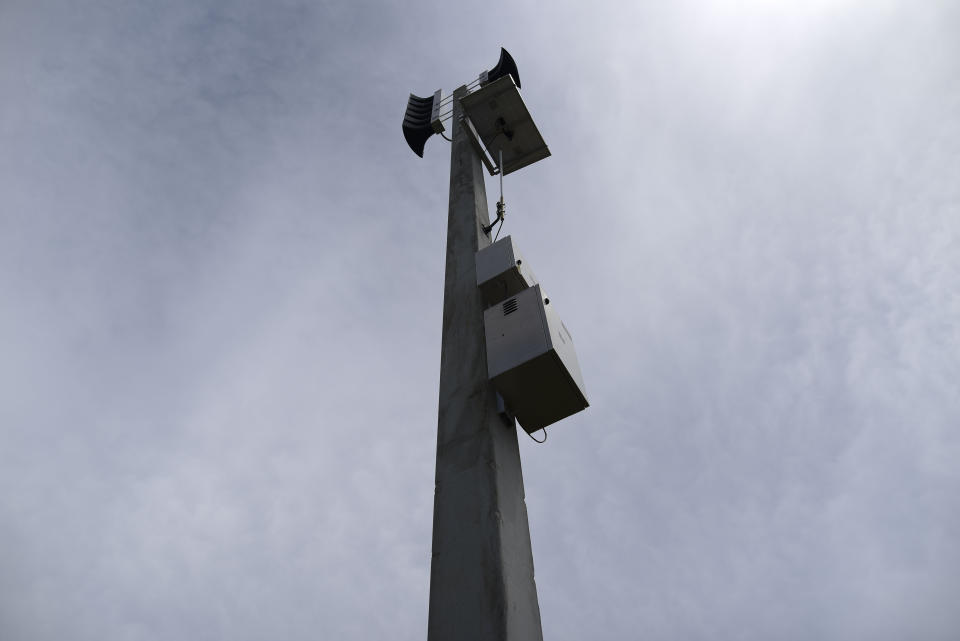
x: 481, y: 574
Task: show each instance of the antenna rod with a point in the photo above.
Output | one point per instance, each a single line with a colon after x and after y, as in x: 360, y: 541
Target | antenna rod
x: 500, y: 206
x: 500, y: 165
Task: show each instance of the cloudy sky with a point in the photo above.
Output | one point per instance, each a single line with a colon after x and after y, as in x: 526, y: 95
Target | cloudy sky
x: 221, y: 273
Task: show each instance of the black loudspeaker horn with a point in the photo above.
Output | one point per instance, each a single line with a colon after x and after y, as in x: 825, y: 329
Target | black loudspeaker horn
x: 504, y: 66
x: 416, y: 122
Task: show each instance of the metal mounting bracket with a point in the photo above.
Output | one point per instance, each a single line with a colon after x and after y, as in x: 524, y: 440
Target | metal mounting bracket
x: 478, y: 145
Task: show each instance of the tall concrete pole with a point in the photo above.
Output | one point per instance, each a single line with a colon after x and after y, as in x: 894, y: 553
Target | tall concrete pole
x: 481, y: 574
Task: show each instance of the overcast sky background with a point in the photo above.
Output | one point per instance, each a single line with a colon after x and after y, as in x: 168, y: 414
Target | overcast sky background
x: 221, y: 272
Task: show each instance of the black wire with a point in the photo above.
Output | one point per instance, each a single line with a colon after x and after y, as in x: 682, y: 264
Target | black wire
x: 445, y: 138
x: 498, y: 230
x: 535, y: 440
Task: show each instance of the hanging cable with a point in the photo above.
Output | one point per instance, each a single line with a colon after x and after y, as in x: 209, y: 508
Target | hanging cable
x: 535, y: 440
x: 498, y: 231
x: 501, y: 206
x: 499, y: 219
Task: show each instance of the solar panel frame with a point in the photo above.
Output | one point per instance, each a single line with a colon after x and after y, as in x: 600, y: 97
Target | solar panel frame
x: 503, y: 123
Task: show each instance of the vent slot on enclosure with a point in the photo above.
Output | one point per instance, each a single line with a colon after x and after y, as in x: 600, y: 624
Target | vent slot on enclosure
x: 509, y: 306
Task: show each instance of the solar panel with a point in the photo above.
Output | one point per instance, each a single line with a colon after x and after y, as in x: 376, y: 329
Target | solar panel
x: 502, y: 122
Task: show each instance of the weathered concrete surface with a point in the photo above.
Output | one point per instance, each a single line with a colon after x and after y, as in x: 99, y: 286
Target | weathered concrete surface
x: 481, y: 576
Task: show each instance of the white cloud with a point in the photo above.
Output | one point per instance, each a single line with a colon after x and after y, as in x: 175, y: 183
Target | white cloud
x: 221, y: 273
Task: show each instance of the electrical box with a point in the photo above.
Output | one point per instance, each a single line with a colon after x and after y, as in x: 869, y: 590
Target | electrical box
x: 531, y: 360
x: 502, y: 272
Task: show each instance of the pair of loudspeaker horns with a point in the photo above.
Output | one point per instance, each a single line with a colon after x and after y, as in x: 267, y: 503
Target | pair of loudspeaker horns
x: 422, y: 118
